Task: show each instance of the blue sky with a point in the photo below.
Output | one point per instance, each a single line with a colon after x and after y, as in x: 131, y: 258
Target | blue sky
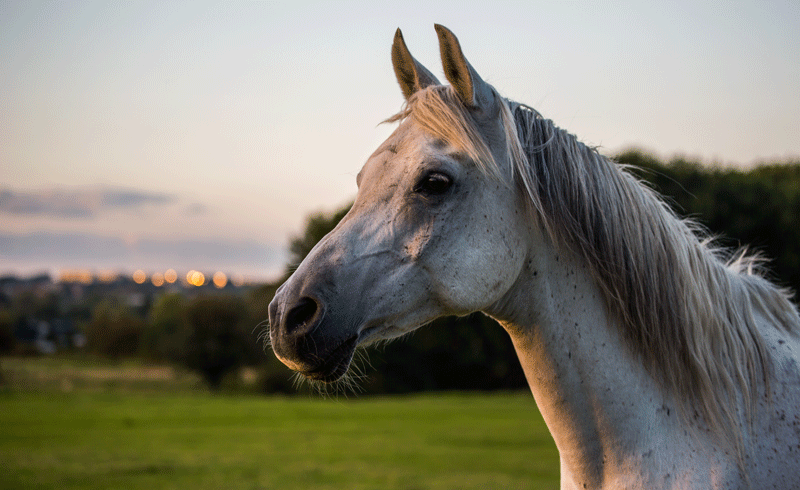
x: 200, y: 134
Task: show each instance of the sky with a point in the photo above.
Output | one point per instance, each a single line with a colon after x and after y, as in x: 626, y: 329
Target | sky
x: 154, y: 135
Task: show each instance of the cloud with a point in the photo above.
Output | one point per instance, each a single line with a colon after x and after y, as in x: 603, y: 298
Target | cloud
x: 195, y: 209
x: 130, y: 199
x: 77, y: 203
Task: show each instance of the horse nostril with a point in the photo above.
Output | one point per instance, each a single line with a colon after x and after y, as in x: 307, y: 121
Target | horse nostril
x: 301, y: 314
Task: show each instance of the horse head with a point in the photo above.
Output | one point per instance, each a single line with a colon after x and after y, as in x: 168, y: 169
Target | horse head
x: 436, y: 229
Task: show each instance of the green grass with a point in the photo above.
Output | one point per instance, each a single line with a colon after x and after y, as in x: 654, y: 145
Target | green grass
x: 85, y: 373
x: 159, y: 439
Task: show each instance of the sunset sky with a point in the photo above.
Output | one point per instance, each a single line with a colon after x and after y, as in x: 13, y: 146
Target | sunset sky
x: 148, y: 135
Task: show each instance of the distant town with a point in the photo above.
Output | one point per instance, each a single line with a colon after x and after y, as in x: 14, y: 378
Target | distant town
x: 43, y: 313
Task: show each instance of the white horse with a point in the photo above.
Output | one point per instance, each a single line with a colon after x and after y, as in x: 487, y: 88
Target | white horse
x: 655, y: 363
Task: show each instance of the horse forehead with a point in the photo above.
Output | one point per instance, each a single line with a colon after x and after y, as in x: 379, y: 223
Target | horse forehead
x: 403, y: 152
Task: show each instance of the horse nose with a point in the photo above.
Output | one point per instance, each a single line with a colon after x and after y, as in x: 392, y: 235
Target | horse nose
x: 292, y: 319
x: 302, y: 317
x: 291, y: 325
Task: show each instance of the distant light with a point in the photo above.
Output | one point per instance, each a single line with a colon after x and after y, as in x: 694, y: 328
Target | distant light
x: 157, y: 279
x: 76, y: 276
x: 170, y: 276
x: 220, y: 280
x: 85, y: 277
x: 139, y: 277
x: 195, y: 278
x: 107, y: 276
x: 237, y: 280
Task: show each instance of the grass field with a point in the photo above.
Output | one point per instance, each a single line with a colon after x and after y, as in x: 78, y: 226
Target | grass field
x: 161, y: 440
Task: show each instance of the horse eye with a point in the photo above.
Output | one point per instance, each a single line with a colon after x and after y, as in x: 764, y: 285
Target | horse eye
x: 434, y: 183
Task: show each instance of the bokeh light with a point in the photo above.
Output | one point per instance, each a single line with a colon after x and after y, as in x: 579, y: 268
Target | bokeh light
x: 170, y: 276
x: 107, y: 276
x: 220, y: 279
x: 237, y: 280
x: 195, y: 278
x: 139, y: 277
x: 76, y: 276
x: 157, y: 279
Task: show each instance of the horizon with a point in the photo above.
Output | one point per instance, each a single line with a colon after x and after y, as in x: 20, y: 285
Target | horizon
x: 197, y: 135
x: 167, y: 279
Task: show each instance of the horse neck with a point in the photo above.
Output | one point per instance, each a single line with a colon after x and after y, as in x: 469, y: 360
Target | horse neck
x: 595, y: 396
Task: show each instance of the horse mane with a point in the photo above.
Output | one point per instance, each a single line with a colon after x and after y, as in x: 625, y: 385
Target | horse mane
x: 686, y: 307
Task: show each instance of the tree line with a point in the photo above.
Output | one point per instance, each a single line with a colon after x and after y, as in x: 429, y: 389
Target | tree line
x: 215, y: 334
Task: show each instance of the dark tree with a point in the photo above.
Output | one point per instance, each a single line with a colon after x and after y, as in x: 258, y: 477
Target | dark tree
x: 114, y: 331
x: 217, y: 342
x: 7, y: 340
x: 166, y: 330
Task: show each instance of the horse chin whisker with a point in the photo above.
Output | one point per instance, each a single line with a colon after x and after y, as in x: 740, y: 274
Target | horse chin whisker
x: 360, y: 360
x: 350, y: 383
x: 298, y: 380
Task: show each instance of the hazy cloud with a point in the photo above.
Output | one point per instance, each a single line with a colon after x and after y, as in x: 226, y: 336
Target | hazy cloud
x: 76, y: 203
x: 196, y: 209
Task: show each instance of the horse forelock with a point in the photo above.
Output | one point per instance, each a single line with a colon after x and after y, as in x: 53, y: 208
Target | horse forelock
x: 437, y: 110
x: 686, y: 312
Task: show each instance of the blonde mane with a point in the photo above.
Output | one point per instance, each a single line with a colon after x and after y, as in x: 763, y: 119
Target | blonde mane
x: 685, y: 307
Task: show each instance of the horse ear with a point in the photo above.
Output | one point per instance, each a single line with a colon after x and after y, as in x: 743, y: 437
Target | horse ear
x: 471, y: 89
x: 411, y: 75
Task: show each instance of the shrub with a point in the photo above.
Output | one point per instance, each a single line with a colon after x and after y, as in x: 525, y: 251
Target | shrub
x: 166, y: 331
x: 114, y: 331
x: 217, y: 341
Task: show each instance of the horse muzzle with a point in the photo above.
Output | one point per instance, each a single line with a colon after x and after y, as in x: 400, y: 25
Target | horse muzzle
x: 302, y: 340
